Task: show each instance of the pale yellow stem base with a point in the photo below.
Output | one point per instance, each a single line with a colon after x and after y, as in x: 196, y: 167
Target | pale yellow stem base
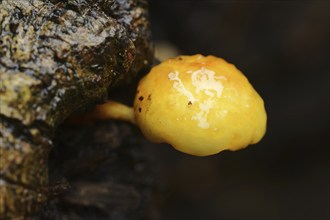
x: 109, y: 110
x: 114, y: 110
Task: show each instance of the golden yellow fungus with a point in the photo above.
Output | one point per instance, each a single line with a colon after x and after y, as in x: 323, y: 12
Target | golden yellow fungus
x: 200, y: 105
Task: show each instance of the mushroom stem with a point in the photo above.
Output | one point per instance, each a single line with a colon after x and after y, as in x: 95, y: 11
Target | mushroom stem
x: 114, y: 110
x: 109, y: 110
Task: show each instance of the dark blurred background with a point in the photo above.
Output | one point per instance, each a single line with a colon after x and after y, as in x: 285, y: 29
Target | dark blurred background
x: 283, y: 48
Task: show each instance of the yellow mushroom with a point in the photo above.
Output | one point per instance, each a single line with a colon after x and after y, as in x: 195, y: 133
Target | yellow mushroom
x: 199, y: 105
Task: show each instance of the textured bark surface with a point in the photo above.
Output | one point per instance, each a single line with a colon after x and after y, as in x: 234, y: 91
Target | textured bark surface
x: 57, y: 57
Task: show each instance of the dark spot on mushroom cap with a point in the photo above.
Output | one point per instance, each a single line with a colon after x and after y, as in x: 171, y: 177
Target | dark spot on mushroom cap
x: 189, y: 103
x: 140, y: 109
x: 149, y: 97
x: 141, y: 98
x: 180, y: 58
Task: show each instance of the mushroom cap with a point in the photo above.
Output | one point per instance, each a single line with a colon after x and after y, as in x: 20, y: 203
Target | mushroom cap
x: 200, y: 105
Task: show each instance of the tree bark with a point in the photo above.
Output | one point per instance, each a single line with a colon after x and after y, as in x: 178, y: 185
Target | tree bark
x: 57, y: 57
